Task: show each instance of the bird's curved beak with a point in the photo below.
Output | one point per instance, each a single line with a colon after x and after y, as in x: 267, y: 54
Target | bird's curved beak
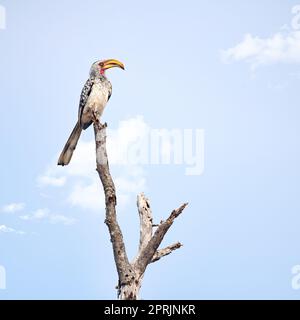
x: 111, y: 63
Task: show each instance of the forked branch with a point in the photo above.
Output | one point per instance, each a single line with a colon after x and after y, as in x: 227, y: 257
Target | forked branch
x: 130, y: 274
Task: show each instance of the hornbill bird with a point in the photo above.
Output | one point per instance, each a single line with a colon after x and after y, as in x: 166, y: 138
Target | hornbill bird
x: 94, y: 96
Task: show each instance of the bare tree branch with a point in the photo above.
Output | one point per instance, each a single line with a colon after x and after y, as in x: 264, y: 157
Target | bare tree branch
x: 145, y: 220
x: 124, y: 268
x: 130, y: 274
x: 146, y: 255
x: 165, y: 251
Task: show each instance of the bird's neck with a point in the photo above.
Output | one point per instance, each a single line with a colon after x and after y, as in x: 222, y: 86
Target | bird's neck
x: 100, y: 77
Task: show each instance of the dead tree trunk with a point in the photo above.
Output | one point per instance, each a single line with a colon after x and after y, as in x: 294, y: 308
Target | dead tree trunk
x: 130, y: 273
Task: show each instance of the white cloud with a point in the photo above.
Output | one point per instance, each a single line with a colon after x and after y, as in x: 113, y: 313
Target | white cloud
x: 48, y: 180
x: 121, y: 143
x: 84, y: 189
x: 13, y: 207
x: 59, y: 218
x: 36, y: 215
x: 87, y: 196
x: 282, y: 47
x: 5, y: 229
x: 90, y: 195
x: 46, y: 215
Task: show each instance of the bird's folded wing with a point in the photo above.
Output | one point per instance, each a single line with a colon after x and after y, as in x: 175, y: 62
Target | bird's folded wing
x: 84, y: 96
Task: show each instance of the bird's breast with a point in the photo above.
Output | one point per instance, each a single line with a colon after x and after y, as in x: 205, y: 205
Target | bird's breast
x: 98, y: 98
x: 95, y: 104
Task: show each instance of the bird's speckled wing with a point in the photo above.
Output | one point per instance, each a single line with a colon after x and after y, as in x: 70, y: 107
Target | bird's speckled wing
x: 84, y: 96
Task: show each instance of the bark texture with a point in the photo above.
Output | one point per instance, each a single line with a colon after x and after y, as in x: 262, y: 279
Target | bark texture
x: 131, y: 273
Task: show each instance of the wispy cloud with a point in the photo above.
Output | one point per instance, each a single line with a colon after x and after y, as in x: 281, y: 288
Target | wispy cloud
x: 5, y: 229
x: 46, y: 215
x: 48, y: 180
x: 87, y: 195
x: 281, y: 47
x: 13, y: 207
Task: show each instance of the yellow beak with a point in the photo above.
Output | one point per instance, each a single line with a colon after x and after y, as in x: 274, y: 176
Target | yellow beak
x: 111, y: 63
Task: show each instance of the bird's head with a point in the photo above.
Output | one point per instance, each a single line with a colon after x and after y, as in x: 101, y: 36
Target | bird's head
x: 99, y: 67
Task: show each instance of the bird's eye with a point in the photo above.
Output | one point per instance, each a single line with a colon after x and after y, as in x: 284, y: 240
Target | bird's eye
x: 101, y: 64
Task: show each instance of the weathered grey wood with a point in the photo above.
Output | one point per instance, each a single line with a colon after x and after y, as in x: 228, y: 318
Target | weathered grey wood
x: 146, y: 219
x: 130, y: 274
x: 165, y: 251
x: 146, y: 255
x: 125, y: 272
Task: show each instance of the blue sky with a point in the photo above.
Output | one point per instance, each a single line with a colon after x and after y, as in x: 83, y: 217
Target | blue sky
x: 229, y: 68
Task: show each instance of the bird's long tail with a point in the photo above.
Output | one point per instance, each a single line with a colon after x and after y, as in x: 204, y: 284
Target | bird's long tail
x: 66, y: 154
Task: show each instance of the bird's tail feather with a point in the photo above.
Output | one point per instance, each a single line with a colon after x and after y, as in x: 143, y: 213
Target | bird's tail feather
x: 66, y: 154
